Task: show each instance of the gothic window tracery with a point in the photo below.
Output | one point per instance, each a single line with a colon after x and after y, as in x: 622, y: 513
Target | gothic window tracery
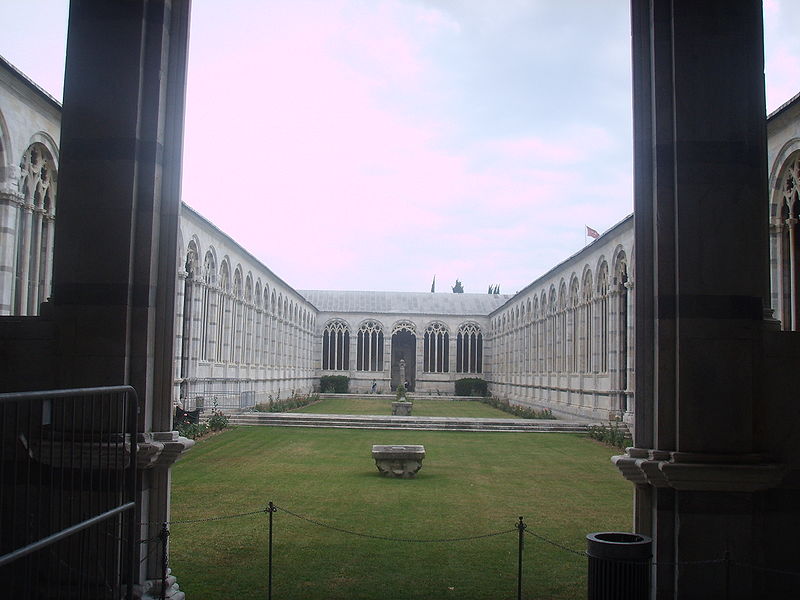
x: 469, y: 349
x: 572, y: 325
x: 208, y: 306
x: 370, y: 347
x: 436, y: 349
x: 35, y: 229
x: 586, y: 323
x: 790, y: 243
x: 602, y: 318
x: 237, y: 314
x: 223, y: 313
x: 336, y: 346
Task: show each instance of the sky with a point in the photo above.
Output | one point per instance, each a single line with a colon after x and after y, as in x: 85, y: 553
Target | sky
x: 375, y: 144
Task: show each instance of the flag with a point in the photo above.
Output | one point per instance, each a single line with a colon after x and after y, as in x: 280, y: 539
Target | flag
x: 592, y: 233
x: 433, y: 285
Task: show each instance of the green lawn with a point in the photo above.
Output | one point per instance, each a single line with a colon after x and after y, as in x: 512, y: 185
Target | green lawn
x: 470, y: 484
x: 382, y: 405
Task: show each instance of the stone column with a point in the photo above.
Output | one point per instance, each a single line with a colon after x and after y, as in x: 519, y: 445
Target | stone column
x: 791, y: 316
x: 10, y: 203
x: 119, y: 186
x: 699, y: 147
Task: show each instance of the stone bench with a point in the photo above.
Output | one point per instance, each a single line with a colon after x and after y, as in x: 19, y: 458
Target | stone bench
x: 398, y: 461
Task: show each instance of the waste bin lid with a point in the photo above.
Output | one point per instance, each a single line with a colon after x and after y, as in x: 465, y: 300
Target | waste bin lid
x: 619, y: 545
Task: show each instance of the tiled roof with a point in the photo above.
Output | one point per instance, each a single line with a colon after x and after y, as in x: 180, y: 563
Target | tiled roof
x: 407, y: 303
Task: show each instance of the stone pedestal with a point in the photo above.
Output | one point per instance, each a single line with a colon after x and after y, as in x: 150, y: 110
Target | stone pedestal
x: 402, y: 409
x: 398, y: 461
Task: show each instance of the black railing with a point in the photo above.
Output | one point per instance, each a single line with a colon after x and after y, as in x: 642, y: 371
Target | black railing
x: 68, y: 493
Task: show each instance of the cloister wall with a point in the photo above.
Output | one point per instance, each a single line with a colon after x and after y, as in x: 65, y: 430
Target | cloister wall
x: 783, y: 155
x: 243, y: 334
x: 565, y: 341
x: 30, y: 130
x: 418, y: 313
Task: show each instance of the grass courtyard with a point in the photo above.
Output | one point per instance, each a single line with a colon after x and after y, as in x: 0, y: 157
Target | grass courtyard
x: 423, y: 407
x: 470, y: 484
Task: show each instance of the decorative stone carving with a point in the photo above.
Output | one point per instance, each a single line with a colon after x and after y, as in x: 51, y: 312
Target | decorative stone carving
x: 398, y: 461
x: 160, y: 449
x: 699, y: 472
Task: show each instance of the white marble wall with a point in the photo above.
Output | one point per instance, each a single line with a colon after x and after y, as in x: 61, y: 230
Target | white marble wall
x: 243, y: 334
x: 28, y: 116
x: 426, y: 382
x: 783, y: 150
x: 565, y: 341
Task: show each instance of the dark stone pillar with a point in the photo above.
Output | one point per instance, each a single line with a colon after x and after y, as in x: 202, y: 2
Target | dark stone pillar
x: 701, y: 264
x: 116, y: 234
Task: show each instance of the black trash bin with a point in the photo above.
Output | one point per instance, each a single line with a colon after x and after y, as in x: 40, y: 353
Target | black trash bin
x: 619, y: 565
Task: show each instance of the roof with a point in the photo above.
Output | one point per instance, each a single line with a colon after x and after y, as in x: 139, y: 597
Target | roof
x: 25, y: 80
x: 404, y: 303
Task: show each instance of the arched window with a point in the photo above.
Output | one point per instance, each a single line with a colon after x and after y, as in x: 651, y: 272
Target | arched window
x: 35, y: 230
x: 370, y: 347
x: 551, y: 330
x: 586, y: 323
x: 573, y: 332
x: 621, y: 280
x: 601, y: 364
x: 209, y: 307
x: 436, y: 349
x: 469, y: 349
x: 561, y: 328
x: 535, y: 335
x: 790, y: 244
x: 336, y: 347
x: 249, y: 318
x: 237, y: 314
x: 258, y: 320
x: 223, y: 313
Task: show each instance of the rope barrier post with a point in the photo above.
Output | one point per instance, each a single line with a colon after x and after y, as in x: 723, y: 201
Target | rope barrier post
x: 521, y: 527
x: 164, y: 559
x: 270, y: 509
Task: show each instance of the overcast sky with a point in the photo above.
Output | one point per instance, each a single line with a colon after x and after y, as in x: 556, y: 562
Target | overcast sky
x: 367, y: 144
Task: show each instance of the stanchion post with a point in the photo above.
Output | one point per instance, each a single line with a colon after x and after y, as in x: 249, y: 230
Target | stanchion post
x: 521, y: 527
x: 270, y: 509
x: 164, y: 559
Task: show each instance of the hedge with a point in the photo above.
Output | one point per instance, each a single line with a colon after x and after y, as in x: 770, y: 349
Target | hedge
x: 471, y: 386
x: 336, y: 384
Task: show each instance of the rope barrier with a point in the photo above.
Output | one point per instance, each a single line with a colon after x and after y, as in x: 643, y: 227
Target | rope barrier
x: 394, y: 539
x: 556, y: 544
x: 206, y: 519
x: 525, y: 530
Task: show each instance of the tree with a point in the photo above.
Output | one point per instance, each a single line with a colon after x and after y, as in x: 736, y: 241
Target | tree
x: 458, y: 288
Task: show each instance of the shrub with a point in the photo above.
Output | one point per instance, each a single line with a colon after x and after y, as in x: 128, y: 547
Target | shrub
x: 614, y: 434
x: 294, y: 401
x: 217, y: 421
x: 471, y: 386
x: 401, y: 392
x: 192, y: 430
x: 334, y: 384
x: 523, y: 412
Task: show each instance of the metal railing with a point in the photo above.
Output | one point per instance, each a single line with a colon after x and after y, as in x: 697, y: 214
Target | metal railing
x: 68, y: 498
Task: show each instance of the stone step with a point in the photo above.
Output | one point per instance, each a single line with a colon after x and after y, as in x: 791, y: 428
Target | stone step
x: 410, y: 423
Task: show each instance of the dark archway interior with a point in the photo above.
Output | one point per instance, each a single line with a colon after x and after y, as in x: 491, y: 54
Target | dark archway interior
x: 404, y: 347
